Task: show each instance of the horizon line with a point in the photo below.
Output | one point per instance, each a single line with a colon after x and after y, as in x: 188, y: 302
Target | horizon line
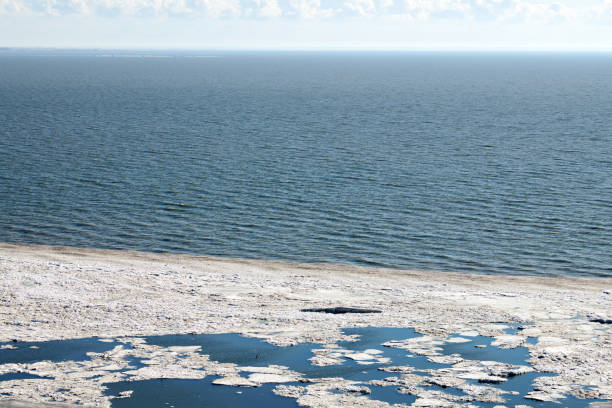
x: 572, y: 50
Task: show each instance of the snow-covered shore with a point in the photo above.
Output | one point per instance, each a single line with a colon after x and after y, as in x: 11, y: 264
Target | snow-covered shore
x: 64, y: 293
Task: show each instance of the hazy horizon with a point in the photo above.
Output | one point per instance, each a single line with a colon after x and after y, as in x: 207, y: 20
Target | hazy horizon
x: 497, y: 25
x: 432, y: 50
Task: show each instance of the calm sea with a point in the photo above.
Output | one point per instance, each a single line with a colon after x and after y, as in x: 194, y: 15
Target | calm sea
x: 493, y: 163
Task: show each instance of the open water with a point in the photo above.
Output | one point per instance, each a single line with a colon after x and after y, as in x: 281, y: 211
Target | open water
x: 492, y: 163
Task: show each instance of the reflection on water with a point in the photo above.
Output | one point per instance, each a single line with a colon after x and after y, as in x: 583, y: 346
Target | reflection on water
x: 195, y: 393
x: 243, y: 351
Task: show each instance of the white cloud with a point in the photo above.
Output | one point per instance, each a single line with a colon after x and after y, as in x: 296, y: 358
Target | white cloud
x: 424, y: 9
x: 311, y: 9
x: 361, y: 7
x: 494, y: 10
x: 508, y: 11
x: 527, y: 11
x: 10, y: 6
x: 143, y: 8
x: 268, y: 8
x: 603, y: 11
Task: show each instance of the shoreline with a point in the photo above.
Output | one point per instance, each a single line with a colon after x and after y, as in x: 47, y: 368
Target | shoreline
x: 95, y: 252
x: 67, y: 293
x: 326, y: 264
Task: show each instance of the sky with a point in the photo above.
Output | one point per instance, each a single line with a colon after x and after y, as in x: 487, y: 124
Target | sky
x: 563, y: 25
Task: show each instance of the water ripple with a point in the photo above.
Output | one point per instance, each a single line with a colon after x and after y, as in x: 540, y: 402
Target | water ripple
x: 480, y: 166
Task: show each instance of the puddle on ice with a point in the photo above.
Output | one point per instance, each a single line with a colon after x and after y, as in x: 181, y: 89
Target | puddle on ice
x: 21, y: 376
x: 195, y: 393
x: 232, y: 348
x: 385, y: 360
x: 55, y: 350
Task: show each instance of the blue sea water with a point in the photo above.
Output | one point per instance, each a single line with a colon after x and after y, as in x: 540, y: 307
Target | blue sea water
x: 492, y: 163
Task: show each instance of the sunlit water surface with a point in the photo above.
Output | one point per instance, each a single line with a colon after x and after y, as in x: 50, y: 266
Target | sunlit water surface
x: 493, y: 163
